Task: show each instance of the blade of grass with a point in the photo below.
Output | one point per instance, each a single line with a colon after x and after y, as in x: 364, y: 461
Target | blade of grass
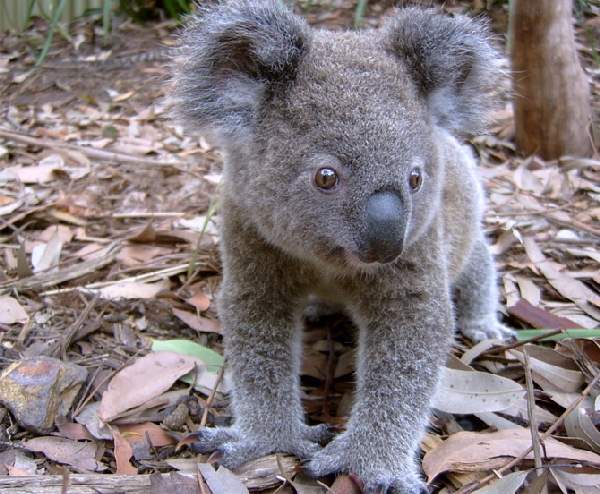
x: 526, y: 334
x: 106, y: 21
x: 359, y: 12
x: 56, y: 14
x: 212, y: 209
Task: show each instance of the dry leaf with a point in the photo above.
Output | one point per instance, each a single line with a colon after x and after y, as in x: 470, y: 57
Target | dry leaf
x: 467, y: 392
x: 468, y: 451
x: 222, y: 481
x: 509, y: 484
x: 146, y: 378
x: 132, y: 290
x: 11, y: 311
x: 198, y: 323
x: 123, y: 453
x: 78, y: 454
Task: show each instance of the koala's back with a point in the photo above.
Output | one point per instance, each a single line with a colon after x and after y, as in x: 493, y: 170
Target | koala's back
x: 462, y: 204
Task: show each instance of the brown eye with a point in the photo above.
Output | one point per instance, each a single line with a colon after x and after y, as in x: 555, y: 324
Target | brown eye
x: 326, y: 178
x: 415, y: 179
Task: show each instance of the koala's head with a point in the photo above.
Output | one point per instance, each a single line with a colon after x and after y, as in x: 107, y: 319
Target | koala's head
x: 332, y: 140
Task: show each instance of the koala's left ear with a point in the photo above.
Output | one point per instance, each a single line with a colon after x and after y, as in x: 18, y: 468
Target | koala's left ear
x: 230, y: 56
x: 452, y: 62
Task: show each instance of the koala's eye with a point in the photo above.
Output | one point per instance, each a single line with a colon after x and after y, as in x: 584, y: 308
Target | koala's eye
x: 415, y: 179
x: 326, y: 178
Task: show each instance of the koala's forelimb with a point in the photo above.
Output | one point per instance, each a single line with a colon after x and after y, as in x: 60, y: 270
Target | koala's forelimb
x: 259, y: 307
x: 406, y: 327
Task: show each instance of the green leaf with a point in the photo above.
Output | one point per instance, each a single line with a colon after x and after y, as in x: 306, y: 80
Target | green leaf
x: 568, y: 334
x: 212, y: 359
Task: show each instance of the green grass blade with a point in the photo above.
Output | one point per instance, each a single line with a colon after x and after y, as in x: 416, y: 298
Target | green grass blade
x: 359, y: 12
x: 53, y: 26
x: 212, y: 359
x: 568, y: 334
x: 106, y: 21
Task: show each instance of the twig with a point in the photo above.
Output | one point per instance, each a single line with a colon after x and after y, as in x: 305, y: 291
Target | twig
x: 179, y: 268
x: 557, y: 423
x: 90, y: 152
x: 535, y: 435
x: 143, y: 214
x: 73, y: 328
x: 43, y: 280
x: 517, y: 344
x: 211, y: 397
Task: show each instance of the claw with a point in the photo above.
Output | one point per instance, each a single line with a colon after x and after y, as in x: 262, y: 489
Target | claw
x: 210, y: 439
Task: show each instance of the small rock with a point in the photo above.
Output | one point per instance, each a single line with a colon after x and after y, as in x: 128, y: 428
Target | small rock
x: 37, y: 390
x: 178, y: 418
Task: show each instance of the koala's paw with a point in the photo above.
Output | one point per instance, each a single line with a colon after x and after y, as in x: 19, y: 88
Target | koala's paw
x: 486, y: 329
x: 235, y: 448
x: 342, y: 456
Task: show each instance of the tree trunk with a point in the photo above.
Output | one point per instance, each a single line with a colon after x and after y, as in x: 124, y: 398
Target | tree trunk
x: 551, y: 92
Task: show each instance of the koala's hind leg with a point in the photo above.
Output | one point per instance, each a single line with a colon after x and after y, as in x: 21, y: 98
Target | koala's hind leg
x: 476, y: 298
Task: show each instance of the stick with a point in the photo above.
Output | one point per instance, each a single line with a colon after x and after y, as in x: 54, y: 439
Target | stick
x: 211, y: 398
x: 535, y: 435
x: 90, y: 152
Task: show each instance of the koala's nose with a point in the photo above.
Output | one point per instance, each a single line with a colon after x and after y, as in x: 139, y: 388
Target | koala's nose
x: 385, y: 228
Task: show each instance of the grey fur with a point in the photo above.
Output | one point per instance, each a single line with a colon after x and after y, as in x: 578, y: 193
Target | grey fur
x: 283, y: 100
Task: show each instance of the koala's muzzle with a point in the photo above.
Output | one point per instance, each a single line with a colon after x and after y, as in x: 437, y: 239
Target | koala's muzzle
x: 385, y: 228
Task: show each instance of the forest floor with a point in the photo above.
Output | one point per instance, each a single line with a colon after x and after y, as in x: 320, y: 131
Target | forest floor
x: 110, y: 345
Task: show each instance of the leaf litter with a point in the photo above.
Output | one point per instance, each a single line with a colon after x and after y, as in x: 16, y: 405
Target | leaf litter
x: 103, y: 198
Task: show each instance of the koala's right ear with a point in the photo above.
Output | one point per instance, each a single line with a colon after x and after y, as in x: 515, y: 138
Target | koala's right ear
x: 453, y: 63
x: 229, y: 56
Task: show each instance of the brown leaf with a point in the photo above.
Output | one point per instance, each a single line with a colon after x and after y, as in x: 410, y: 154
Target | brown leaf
x: 147, y: 431
x: 199, y: 300
x: 123, y: 453
x: 11, y: 311
x: 222, y: 481
x: 344, y: 484
x: 198, y: 323
x: 147, y: 378
x: 78, y: 454
x: 470, y: 450
x: 175, y: 483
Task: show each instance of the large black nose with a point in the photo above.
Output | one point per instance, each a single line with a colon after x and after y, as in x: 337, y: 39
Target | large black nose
x: 385, y: 229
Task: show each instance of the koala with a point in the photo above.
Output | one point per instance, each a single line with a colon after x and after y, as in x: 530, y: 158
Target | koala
x: 344, y: 178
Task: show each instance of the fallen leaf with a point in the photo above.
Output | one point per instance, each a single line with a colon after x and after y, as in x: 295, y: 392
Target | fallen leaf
x: 181, y: 484
x: 579, y: 424
x: 198, y: 323
x: 550, y: 369
x: 582, y: 481
x: 146, y: 378
x: 506, y: 485
x: 468, y: 451
x: 210, y: 358
x: 78, y: 454
x: 467, y: 392
x: 199, y: 300
x: 123, y: 453
x: 146, y: 432
x: 568, y: 287
x: 222, y: 481
x: 11, y: 311
x: 132, y: 290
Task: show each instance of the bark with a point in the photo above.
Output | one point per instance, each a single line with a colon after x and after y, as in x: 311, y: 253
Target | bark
x: 551, y: 91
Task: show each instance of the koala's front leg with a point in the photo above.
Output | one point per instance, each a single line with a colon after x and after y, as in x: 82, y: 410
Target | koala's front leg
x: 405, y: 335
x: 258, y: 310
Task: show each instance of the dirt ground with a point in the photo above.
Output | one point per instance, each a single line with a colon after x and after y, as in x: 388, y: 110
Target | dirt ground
x: 108, y: 245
